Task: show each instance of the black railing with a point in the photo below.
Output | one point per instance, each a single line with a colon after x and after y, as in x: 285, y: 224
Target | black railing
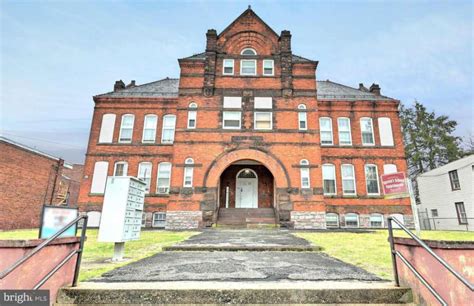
x: 396, y: 254
x: 45, y: 243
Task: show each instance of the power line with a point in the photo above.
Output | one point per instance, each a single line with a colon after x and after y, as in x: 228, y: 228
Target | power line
x: 43, y: 140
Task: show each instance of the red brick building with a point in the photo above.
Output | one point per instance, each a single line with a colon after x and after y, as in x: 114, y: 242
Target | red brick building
x: 30, y: 178
x: 247, y: 125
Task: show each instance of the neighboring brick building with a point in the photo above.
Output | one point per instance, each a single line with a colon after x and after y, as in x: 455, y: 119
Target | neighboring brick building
x: 247, y: 125
x: 30, y: 178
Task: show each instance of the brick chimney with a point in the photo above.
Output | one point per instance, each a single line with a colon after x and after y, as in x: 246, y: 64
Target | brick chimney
x: 285, y: 41
x: 132, y: 84
x: 362, y: 87
x: 286, y: 63
x: 375, y: 89
x: 211, y: 43
x: 210, y: 63
x: 119, y: 85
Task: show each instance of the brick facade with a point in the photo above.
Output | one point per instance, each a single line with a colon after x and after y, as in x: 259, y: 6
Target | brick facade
x: 216, y: 150
x: 29, y: 179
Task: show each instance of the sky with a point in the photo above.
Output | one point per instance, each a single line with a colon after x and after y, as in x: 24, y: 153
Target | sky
x: 56, y: 55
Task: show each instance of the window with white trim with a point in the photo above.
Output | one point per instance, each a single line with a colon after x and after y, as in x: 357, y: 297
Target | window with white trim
x: 352, y: 220
x: 231, y: 120
x: 454, y: 179
x: 188, y: 172
x: 389, y: 168
x: 268, y: 67
x: 325, y: 130
x: 329, y: 179
x: 372, y: 180
x: 248, y: 51
x: 159, y: 220
x: 348, y: 179
x: 149, y: 128
x: 144, y: 219
x: 169, y: 125
x: 126, y: 128
x: 107, y: 128
x: 144, y: 174
x: 121, y: 169
x: 376, y: 220
x: 192, y: 114
x: 164, y: 178
x: 332, y: 220
x: 248, y: 67
x: 385, y: 131
x: 228, y: 67
x: 367, y: 131
x: 263, y: 120
x: 302, y: 118
x: 304, y: 172
x: 99, y: 177
x: 344, y: 129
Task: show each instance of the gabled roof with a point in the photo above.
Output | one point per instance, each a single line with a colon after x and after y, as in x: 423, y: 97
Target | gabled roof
x: 166, y: 88
x: 251, y: 12
x: 467, y: 161
x: 328, y: 90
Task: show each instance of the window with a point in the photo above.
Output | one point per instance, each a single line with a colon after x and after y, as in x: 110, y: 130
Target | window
x: 263, y: 102
x: 399, y: 218
x: 302, y: 119
x: 352, y: 220
x: 188, y: 172
x: 454, y: 178
x: 372, y: 179
x: 107, y: 128
x: 99, y: 178
x: 461, y: 212
x: 434, y: 213
x: 332, y: 220
x: 121, y: 169
x: 344, y: 128
x: 143, y: 219
x: 385, y: 132
x: 144, y: 174
x: 348, y: 180
x: 159, y: 220
x: 126, y: 128
x: 304, y: 171
x: 248, y: 51
x: 329, y: 179
x: 263, y: 120
x: 169, y: 123
x: 248, y: 67
x: 325, y: 125
x: 367, y: 131
x: 228, y: 67
x: 164, y: 176
x: 389, y: 168
x: 376, y: 220
x: 268, y: 67
x: 192, y: 114
x: 149, y: 128
x: 232, y: 102
x: 231, y: 120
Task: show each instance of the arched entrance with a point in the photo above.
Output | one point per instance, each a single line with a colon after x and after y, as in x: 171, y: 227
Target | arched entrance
x: 246, y: 189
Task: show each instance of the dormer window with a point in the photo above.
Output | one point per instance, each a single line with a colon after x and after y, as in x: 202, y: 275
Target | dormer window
x: 248, y: 51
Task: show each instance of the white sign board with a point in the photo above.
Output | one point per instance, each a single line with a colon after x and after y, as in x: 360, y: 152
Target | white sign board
x: 55, y: 218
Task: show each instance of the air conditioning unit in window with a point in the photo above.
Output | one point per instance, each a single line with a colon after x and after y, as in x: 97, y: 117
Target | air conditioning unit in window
x: 163, y: 189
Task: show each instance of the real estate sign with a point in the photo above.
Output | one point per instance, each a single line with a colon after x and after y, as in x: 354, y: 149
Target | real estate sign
x: 55, y: 218
x: 395, y: 185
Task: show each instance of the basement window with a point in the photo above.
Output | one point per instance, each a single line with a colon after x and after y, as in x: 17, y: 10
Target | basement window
x: 332, y: 220
x: 159, y: 220
x: 352, y: 220
x: 376, y: 220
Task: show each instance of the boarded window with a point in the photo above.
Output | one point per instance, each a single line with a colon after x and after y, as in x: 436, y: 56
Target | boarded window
x: 232, y: 102
x: 389, y: 168
x: 385, y: 131
x: 263, y: 102
x: 99, y: 178
x: 107, y: 128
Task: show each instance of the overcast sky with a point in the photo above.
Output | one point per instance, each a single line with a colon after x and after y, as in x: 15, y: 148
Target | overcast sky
x: 55, y: 55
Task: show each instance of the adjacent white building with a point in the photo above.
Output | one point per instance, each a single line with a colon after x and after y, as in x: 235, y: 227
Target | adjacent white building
x: 447, y: 196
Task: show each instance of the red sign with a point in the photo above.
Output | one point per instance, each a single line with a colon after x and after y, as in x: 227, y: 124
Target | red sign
x: 395, y: 185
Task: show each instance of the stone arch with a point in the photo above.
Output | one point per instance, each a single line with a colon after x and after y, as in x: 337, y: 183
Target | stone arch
x: 224, y: 160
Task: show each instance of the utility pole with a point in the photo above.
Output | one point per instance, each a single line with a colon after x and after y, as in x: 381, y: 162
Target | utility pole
x: 414, y: 209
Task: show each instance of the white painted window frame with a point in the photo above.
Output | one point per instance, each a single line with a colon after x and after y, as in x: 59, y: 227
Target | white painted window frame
x: 326, y: 131
x: 349, y: 131
x: 188, y: 171
x: 273, y: 67
x: 305, y: 174
x: 242, y: 66
x: 168, y: 128
x: 335, y: 179
x: 125, y: 167
x: 366, y: 181
x: 228, y: 60
x: 144, y: 178
x: 373, y: 215
x: 224, y: 113
x: 255, y: 120
x: 353, y: 179
x: 362, y: 132
x: 160, y: 175
x: 357, y: 218
x: 145, y: 128
x: 337, y: 220
x: 122, y: 128
x: 302, y: 117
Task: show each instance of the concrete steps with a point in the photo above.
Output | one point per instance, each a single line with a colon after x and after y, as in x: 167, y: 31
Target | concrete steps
x: 192, y: 292
x: 246, y: 218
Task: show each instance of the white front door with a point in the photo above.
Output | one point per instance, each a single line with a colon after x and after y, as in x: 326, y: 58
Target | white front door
x: 246, y: 193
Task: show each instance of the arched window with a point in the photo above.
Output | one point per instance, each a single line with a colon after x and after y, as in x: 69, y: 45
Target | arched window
x: 169, y: 123
x: 248, y: 51
x: 144, y: 174
x: 304, y: 173
x: 325, y: 130
x: 376, y: 220
x: 106, y: 134
x: 188, y: 172
x: 302, y: 118
x: 192, y: 114
x: 332, y: 220
x: 149, y: 128
x: 352, y: 220
x: 126, y: 128
x: 348, y: 179
x: 344, y: 129
x: 246, y: 173
x: 99, y: 178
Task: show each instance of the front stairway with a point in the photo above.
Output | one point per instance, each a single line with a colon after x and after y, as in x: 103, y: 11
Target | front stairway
x: 246, y: 217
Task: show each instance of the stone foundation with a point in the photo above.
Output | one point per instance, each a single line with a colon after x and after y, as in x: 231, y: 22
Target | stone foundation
x: 308, y: 220
x: 178, y: 220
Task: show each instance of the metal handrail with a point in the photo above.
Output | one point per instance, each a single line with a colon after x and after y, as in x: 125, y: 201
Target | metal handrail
x: 415, y: 272
x: 42, y: 245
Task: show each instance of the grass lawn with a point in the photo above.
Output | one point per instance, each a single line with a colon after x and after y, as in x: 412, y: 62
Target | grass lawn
x: 370, y: 251
x: 96, y: 254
